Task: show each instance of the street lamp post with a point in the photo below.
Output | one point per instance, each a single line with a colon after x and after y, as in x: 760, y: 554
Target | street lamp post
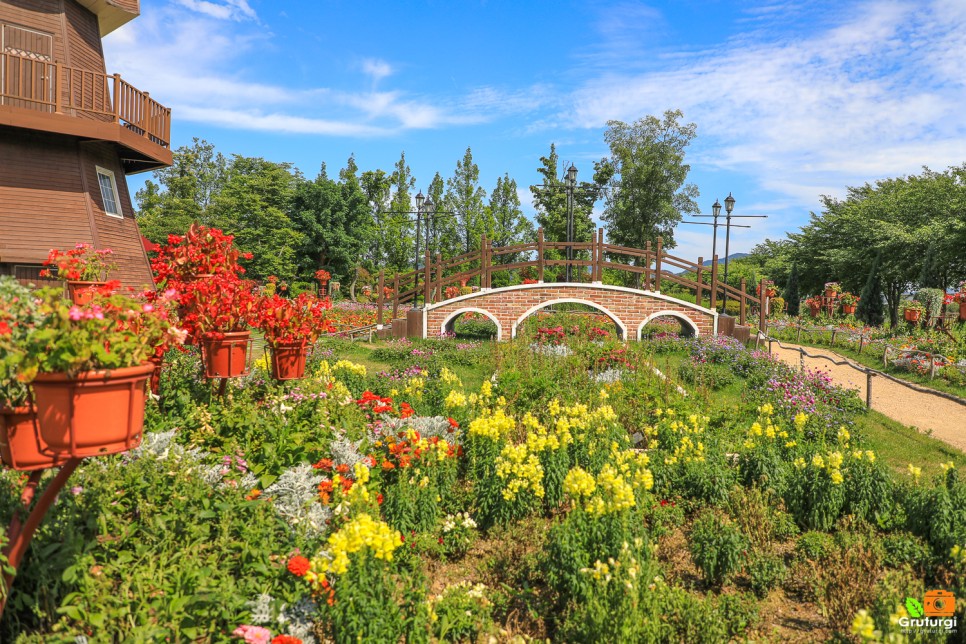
x: 716, y: 209
x: 571, y: 186
x: 423, y: 204
x: 729, y: 206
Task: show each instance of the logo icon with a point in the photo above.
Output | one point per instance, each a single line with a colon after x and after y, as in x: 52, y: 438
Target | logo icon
x: 938, y: 603
x: 914, y: 607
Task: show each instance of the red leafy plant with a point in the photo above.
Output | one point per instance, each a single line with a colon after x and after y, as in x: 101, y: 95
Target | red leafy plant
x: 201, y: 251
x: 218, y: 305
x: 301, y: 320
x: 82, y: 263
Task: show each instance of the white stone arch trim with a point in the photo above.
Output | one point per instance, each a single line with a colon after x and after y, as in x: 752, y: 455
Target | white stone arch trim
x: 570, y: 300
x: 674, y: 314
x: 470, y: 309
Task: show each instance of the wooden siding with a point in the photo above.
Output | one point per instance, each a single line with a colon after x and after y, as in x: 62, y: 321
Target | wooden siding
x: 119, y: 234
x: 44, y: 204
x: 86, y: 55
x: 46, y: 16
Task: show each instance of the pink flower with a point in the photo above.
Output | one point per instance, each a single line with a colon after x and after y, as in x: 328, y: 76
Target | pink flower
x: 75, y: 313
x: 253, y: 634
x: 147, y: 308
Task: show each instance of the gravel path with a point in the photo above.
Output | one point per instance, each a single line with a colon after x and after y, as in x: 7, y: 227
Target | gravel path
x: 945, y: 418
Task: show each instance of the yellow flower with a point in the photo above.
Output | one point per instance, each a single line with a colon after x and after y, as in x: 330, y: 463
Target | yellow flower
x: 817, y: 461
x: 836, y: 476
x: 800, y: 419
x: 578, y: 483
x: 835, y: 460
x: 495, y: 426
x: 948, y: 465
x: 914, y: 472
x: 864, y: 626
x: 791, y: 444
x: 869, y: 454
x: 799, y: 463
x: 455, y: 399
x: 361, y: 532
x: 844, y: 435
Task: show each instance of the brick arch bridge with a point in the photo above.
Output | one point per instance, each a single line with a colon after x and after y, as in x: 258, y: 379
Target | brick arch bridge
x: 630, y: 309
x: 439, y: 283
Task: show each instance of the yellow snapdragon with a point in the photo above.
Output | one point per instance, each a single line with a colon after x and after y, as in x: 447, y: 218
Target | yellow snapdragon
x: 521, y: 471
x: 359, y: 533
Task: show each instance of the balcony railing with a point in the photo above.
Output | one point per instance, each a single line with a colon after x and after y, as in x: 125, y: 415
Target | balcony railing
x: 58, y: 89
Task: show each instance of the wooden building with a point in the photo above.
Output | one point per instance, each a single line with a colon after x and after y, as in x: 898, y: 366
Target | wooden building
x: 69, y: 134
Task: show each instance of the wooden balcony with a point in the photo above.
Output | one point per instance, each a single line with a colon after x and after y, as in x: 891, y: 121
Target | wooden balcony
x: 52, y: 97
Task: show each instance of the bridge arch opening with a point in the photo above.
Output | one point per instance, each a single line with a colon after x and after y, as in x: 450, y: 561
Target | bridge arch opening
x: 449, y: 324
x: 619, y: 326
x: 668, y: 321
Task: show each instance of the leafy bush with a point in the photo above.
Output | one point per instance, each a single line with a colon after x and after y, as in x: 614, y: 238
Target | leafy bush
x: 461, y: 613
x: 766, y: 571
x: 814, y: 546
x: 905, y: 549
x: 717, y: 547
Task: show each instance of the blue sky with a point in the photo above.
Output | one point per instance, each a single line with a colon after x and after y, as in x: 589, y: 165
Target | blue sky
x: 792, y: 99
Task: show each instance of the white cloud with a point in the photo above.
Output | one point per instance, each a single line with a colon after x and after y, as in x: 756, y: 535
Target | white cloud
x: 378, y: 69
x: 878, y: 94
x: 236, y: 10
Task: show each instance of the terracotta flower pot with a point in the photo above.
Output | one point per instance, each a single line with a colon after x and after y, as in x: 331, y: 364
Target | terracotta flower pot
x: 83, y: 292
x: 288, y: 360
x: 227, y: 356
x: 93, y: 413
x: 830, y: 293
x: 962, y: 311
x: 20, y: 445
x: 814, y: 310
x: 912, y: 315
x: 848, y: 309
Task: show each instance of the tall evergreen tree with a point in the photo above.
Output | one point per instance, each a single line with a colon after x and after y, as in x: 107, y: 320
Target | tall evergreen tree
x: 465, y: 197
x: 792, y: 297
x: 398, y: 226
x: 871, y: 308
x: 550, y: 201
x: 508, y: 225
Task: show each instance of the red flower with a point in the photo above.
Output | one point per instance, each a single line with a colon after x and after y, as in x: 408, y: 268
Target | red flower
x: 298, y: 565
x: 286, y: 639
x: 453, y: 424
x: 324, y: 464
x: 379, y: 498
x: 5, y: 328
x: 342, y: 469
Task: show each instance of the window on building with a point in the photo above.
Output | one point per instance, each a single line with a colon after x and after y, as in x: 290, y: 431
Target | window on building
x: 109, y: 192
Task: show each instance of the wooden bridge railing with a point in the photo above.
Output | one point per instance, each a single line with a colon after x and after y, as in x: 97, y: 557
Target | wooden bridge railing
x: 650, y: 266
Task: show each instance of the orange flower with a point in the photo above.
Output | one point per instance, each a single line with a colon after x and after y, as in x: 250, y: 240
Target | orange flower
x: 342, y: 469
x: 254, y: 494
x: 324, y: 464
x: 298, y: 565
x: 386, y: 465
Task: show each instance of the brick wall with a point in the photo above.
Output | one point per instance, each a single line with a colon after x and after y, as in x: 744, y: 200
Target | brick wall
x: 509, y: 306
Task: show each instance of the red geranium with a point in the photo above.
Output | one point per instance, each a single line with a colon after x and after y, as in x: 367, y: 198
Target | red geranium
x: 292, y: 321
x: 286, y: 639
x: 221, y: 304
x: 201, y: 251
x: 83, y: 263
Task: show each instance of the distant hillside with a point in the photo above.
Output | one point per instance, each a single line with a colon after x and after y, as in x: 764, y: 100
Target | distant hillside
x: 732, y: 258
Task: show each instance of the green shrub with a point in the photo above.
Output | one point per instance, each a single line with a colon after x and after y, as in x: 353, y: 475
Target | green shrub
x: 905, y: 549
x: 717, y: 548
x: 461, y: 613
x: 709, y: 376
x: 814, y: 546
x: 766, y: 571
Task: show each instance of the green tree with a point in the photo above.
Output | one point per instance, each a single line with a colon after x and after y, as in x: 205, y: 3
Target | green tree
x: 648, y: 192
x: 398, y: 227
x: 465, y: 198
x: 377, y: 187
x: 870, y: 309
x: 550, y: 201
x: 335, y: 222
x: 183, y: 191
x: 253, y: 205
x: 792, y: 297
x: 508, y: 223
x: 444, y: 234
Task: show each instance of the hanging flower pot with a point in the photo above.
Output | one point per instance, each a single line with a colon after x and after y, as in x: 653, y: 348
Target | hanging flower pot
x: 912, y: 315
x: 288, y: 360
x: 20, y: 445
x: 83, y: 292
x: 92, y: 413
x: 225, y: 355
